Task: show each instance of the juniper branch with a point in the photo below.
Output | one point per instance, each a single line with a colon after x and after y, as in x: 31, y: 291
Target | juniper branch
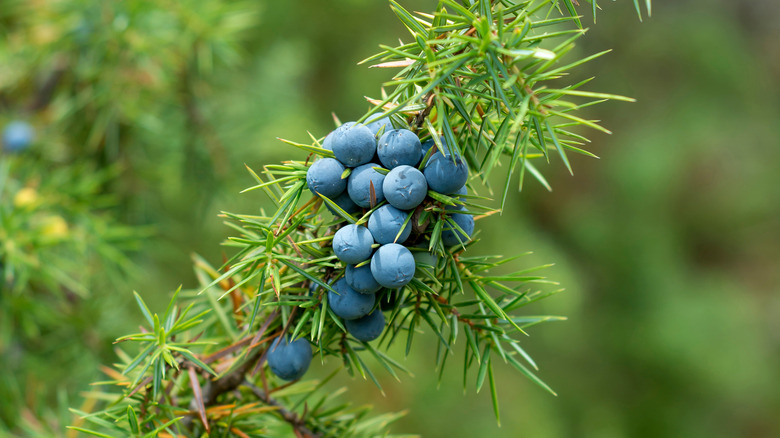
x: 298, y: 422
x: 215, y: 388
x: 231, y: 381
x: 419, y: 119
x: 478, y: 78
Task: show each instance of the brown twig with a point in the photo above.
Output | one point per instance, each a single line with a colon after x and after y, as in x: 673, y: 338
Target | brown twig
x: 430, y: 100
x: 455, y: 312
x: 214, y: 388
x: 296, y: 421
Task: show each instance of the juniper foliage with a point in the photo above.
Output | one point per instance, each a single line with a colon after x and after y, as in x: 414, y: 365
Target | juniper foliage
x: 485, y: 75
x: 97, y: 83
x: 61, y: 245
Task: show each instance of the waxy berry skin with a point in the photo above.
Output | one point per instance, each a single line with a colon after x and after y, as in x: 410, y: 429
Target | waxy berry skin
x: 399, y: 147
x: 345, y: 203
x: 328, y: 142
x: 324, y: 178
x: 367, y: 328
x: 353, y: 145
x: 405, y: 187
x: 393, y: 266
x: 385, y: 223
x: 349, y: 304
x: 352, y: 244
x: 446, y: 174
x: 430, y: 143
x: 361, y: 280
x: 289, y: 360
x: 376, y: 124
x: 359, y: 185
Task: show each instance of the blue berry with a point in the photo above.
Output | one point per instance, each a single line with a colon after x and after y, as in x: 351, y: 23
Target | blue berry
x: 328, y: 142
x: 430, y: 143
x: 385, y: 223
x: 445, y: 174
x: 353, y: 145
x: 344, y: 202
x: 17, y: 136
x: 349, y: 304
x: 397, y: 147
x: 324, y: 178
x: 405, y: 187
x: 449, y: 234
x: 289, y: 360
x: 377, y: 123
x: 313, y: 287
x: 393, y: 265
x: 361, y: 279
x: 352, y: 243
x: 359, y: 185
x: 367, y: 328
x: 315, y: 291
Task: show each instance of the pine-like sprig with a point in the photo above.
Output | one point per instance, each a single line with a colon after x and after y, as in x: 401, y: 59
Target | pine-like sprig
x: 61, y: 244
x: 482, y: 74
x: 480, y: 77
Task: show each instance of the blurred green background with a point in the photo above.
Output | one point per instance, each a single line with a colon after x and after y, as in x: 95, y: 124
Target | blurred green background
x: 668, y: 246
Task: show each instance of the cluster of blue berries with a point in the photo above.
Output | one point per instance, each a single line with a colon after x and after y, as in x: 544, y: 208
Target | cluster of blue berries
x: 383, y: 165
x: 384, y: 170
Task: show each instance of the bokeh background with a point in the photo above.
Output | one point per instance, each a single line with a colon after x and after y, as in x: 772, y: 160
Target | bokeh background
x: 668, y: 246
